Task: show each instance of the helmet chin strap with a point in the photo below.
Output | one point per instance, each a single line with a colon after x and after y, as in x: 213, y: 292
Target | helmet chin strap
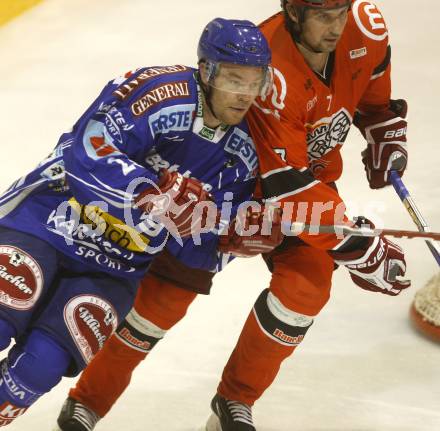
x: 207, y: 91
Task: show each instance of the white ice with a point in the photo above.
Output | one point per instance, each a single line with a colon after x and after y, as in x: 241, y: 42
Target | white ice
x: 362, y: 367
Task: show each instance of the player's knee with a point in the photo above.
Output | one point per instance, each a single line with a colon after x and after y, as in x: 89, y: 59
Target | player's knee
x: 307, y: 297
x: 138, y: 333
x: 279, y: 323
x: 7, y: 332
x: 163, y: 302
x: 34, y: 368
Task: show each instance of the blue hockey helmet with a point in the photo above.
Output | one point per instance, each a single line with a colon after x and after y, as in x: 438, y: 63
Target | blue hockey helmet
x: 234, y: 41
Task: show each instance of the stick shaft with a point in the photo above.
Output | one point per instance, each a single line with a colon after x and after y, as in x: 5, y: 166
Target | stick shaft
x: 414, y: 212
x: 342, y: 230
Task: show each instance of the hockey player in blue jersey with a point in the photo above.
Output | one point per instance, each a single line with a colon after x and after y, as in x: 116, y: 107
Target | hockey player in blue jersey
x: 79, y: 232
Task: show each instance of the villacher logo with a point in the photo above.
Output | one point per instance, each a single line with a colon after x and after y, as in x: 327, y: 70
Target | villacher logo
x: 91, y: 320
x: 24, y: 279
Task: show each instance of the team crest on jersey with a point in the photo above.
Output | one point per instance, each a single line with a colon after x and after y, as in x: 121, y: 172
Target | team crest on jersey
x: 21, y: 279
x: 369, y: 20
x: 95, y: 141
x: 327, y: 133
x: 91, y: 320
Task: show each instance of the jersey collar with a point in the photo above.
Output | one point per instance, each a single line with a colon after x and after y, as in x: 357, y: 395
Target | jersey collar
x: 199, y: 128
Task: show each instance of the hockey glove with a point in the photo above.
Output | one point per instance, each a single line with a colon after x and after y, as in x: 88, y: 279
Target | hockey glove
x: 385, y: 133
x: 175, y: 199
x: 378, y: 266
x: 253, y: 232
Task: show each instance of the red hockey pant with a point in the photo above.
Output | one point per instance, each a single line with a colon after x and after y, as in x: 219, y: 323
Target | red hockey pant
x: 301, y: 280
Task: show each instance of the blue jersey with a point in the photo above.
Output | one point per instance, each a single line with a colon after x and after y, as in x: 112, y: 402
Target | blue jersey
x: 80, y: 198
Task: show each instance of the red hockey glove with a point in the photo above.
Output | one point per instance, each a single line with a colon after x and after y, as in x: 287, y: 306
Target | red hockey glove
x: 379, y: 266
x: 385, y: 133
x: 176, y: 198
x: 266, y: 222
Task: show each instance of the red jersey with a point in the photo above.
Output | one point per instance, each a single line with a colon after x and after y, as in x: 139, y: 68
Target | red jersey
x: 301, y: 126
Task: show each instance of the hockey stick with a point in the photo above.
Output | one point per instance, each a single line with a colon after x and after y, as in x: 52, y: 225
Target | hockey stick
x: 414, y: 212
x: 297, y: 228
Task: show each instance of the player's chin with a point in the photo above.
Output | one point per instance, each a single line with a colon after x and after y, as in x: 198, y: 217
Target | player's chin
x: 235, y: 116
x: 329, y: 45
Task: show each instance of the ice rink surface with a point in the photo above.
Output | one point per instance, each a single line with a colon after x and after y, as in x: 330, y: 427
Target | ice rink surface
x: 362, y: 367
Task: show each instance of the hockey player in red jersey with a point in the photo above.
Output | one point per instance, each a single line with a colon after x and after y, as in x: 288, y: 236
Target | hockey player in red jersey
x: 331, y: 62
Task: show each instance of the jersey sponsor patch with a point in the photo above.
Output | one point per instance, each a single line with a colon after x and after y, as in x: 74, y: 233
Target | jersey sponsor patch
x: 274, y: 328
x: 369, y: 20
x: 357, y: 53
x: 21, y: 278
x: 115, y: 123
x: 327, y: 133
x: 242, y: 145
x: 95, y: 257
x: 91, y: 320
x: 126, y: 89
x: 135, y: 339
x: 110, y: 227
x: 172, y: 119
x: 138, y: 332
x: 168, y: 91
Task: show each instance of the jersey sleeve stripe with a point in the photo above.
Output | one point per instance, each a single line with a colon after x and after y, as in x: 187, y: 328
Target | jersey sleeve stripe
x: 373, y: 77
x: 275, y: 171
x: 98, y: 191
x: 111, y: 190
x: 291, y: 193
x: 285, y: 168
x: 10, y: 201
x: 385, y: 63
x: 284, y: 182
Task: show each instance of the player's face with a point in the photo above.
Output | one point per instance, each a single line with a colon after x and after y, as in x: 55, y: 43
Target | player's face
x: 322, y: 29
x: 234, y: 89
